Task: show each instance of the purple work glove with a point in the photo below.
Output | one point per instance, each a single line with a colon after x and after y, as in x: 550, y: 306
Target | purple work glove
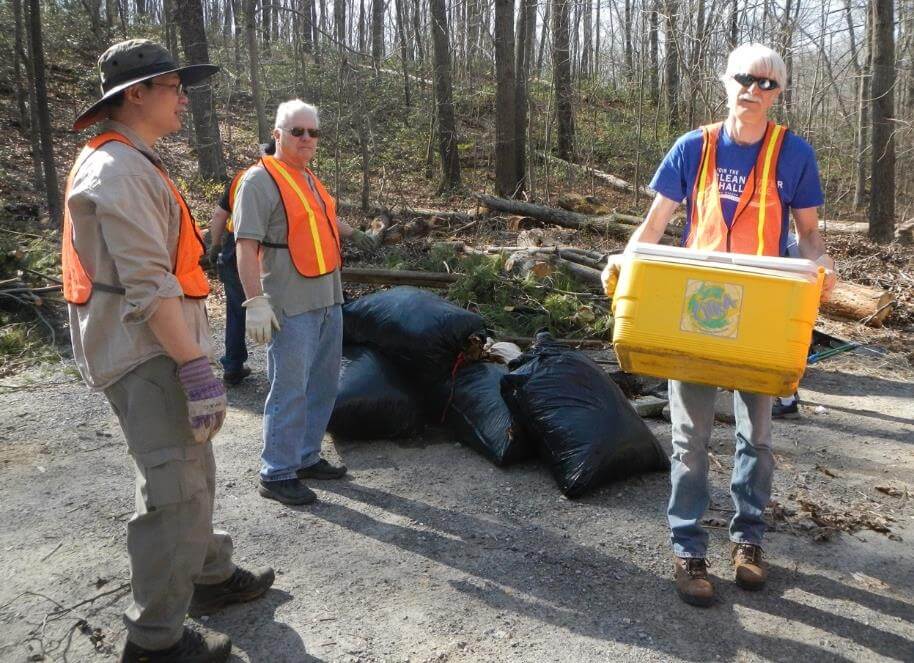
x: 206, y: 400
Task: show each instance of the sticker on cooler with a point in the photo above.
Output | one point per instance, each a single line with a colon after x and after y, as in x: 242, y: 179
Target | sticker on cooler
x: 711, y: 308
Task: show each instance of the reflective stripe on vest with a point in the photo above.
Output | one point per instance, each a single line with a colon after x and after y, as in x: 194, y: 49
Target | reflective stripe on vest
x: 233, y: 191
x: 756, y: 233
x: 313, y: 239
x: 78, y: 285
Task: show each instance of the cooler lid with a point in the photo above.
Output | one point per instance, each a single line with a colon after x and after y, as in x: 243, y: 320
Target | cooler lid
x: 724, y: 259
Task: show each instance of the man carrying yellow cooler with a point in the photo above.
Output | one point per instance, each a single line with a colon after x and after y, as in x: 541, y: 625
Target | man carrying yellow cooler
x: 739, y: 178
x: 138, y: 324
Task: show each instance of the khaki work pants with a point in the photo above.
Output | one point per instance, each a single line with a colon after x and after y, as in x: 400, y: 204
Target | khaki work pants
x: 170, y: 539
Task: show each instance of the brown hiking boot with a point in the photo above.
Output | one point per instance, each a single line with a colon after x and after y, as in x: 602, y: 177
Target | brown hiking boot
x: 751, y: 571
x: 692, y: 582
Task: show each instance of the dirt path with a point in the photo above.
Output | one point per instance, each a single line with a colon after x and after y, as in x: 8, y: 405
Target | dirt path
x: 429, y: 553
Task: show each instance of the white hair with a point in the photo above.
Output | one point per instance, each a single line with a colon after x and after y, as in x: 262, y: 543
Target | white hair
x: 292, y: 107
x: 757, y: 59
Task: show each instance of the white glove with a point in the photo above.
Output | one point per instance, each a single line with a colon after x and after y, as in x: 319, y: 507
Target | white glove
x: 610, y: 275
x: 831, y: 277
x: 260, y: 321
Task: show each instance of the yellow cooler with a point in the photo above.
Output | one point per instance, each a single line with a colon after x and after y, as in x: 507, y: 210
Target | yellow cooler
x: 725, y: 319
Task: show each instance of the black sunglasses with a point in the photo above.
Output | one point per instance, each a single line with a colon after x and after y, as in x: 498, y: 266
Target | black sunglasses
x: 298, y: 132
x: 746, y: 80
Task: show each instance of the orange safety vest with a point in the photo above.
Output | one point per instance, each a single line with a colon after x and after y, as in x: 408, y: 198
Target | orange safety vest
x: 233, y: 190
x: 313, y: 239
x: 78, y: 285
x: 756, y: 225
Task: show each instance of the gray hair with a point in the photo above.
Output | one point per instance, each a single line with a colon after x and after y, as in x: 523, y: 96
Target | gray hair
x: 756, y: 58
x: 289, y: 108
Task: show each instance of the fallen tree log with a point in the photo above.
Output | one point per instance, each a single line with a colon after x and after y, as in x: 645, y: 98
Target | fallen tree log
x: 403, y: 211
x: 860, y: 303
x: 615, y: 182
x: 591, y: 259
x: 398, y: 277
x: 618, y: 224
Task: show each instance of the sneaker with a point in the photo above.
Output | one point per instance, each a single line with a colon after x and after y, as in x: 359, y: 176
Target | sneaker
x: 242, y: 586
x: 786, y: 408
x: 233, y: 378
x: 692, y: 582
x: 751, y: 571
x: 322, y: 470
x: 193, y: 647
x: 287, y: 491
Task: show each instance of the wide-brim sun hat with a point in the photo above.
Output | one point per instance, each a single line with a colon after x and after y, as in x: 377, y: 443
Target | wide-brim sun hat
x: 134, y: 61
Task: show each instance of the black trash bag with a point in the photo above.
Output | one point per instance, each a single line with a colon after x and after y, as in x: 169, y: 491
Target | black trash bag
x: 477, y: 414
x: 578, y: 417
x: 420, y: 332
x: 373, y: 401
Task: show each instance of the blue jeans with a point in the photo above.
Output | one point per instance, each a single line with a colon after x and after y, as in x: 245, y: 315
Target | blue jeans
x: 303, y: 366
x: 236, y: 351
x: 692, y: 414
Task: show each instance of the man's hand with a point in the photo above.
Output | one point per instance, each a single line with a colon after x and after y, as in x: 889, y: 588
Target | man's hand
x: 363, y: 241
x: 213, y: 253
x: 610, y: 275
x: 260, y: 320
x: 206, y: 402
x: 831, y: 277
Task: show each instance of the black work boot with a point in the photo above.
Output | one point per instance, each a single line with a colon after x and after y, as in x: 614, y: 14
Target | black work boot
x: 322, y: 470
x: 193, y: 647
x: 287, y: 491
x: 786, y: 407
x: 241, y: 586
x: 233, y: 378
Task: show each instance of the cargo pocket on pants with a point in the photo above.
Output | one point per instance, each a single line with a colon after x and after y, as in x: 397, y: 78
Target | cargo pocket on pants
x: 169, y: 476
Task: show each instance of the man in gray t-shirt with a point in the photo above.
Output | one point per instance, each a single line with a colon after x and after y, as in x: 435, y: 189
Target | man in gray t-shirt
x: 288, y: 253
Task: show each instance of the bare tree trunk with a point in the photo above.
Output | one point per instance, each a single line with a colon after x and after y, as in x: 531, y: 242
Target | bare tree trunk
x: 250, y: 29
x: 587, y: 45
x: 525, y: 34
x: 206, y: 125
x: 547, y: 17
x: 505, y: 110
x: 265, y: 24
x: 362, y: 30
x: 377, y: 33
x: 882, y: 198
x: 404, y: 56
x: 654, y: 76
x: 627, y: 41
x: 733, y: 34
x: 695, y: 57
x: 307, y: 26
x: 447, y: 126
x: 863, y: 87
x: 417, y: 31
x: 671, y: 75
x: 227, y: 21
x: 18, y: 50
x: 52, y: 190
x: 35, y: 143
x: 171, y: 30
x: 561, y: 73
x: 339, y: 22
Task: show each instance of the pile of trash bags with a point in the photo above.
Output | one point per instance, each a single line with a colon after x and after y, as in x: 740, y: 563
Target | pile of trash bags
x: 411, y: 358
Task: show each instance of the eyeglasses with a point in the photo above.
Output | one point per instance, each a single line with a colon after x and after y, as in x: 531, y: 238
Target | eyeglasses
x: 746, y: 80
x: 177, y: 87
x: 298, y: 132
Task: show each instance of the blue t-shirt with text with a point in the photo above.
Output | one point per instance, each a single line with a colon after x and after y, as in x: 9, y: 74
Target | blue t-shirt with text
x: 797, y: 174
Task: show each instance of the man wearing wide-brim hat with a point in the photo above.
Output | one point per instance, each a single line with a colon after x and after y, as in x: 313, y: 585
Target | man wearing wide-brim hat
x: 136, y: 292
